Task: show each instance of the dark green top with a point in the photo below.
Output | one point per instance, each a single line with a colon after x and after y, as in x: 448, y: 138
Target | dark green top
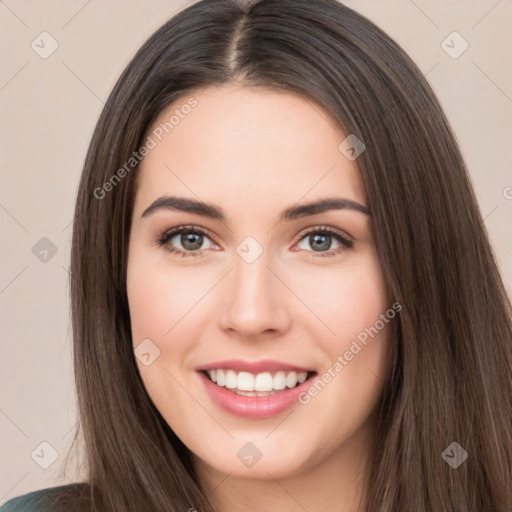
x: 53, y: 499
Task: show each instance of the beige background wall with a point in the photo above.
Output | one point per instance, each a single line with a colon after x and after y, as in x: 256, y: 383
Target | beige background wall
x: 49, y: 107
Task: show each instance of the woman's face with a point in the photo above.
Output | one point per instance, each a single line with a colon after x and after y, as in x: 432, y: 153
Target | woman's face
x: 255, y: 288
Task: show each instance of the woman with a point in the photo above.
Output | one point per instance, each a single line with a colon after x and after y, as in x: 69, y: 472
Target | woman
x: 283, y: 294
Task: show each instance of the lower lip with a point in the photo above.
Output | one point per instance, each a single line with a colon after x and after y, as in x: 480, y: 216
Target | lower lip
x: 253, y: 407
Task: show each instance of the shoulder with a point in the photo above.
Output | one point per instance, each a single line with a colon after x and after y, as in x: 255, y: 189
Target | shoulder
x: 52, y: 499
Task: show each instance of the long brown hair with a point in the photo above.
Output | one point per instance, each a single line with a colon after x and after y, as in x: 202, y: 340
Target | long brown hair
x: 451, y: 378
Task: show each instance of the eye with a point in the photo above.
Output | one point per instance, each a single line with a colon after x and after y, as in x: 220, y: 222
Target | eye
x: 185, y: 241
x: 189, y: 241
x: 321, y: 239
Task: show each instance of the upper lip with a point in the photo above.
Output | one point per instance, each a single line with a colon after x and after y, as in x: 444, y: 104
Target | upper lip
x: 243, y: 365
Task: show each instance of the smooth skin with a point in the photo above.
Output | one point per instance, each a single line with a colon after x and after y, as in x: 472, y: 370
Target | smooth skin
x: 254, y: 152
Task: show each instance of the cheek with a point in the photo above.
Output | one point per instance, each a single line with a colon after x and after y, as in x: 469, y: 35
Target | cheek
x: 161, y: 303
x: 361, y: 356
x: 150, y: 312
x: 345, y: 299
x: 159, y: 298
x: 350, y: 302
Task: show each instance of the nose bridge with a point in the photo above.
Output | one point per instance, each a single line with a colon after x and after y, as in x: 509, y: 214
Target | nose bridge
x: 255, y: 301
x: 252, y: 280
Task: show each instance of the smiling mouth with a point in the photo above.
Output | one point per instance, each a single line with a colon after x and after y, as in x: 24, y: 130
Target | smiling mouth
x: 258, y: 385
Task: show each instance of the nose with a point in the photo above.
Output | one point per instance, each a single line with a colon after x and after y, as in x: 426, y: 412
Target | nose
x: 256, y: 302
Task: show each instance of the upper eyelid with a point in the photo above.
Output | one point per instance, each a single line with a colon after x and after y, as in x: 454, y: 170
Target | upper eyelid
x: 322, y: 228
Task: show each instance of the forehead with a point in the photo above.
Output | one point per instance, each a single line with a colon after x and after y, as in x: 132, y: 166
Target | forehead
x: 247, y: 147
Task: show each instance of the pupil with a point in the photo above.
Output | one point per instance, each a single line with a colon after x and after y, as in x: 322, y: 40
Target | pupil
x: 318, y: 239
x: 192, y: 241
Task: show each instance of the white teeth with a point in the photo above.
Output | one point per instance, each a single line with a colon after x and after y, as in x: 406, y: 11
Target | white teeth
x: 221, y: 378
x: 245, y: 383
x: 301, y: 377
x: 263, y: 382
x: 291, y: 380
x: 279, y: 380
x: 231, y: 380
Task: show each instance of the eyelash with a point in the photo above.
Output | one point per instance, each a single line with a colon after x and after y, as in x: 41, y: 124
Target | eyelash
x: 164, y: 238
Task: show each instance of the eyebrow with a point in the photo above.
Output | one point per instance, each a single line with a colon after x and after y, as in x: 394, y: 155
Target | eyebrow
x: 211, y: 211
